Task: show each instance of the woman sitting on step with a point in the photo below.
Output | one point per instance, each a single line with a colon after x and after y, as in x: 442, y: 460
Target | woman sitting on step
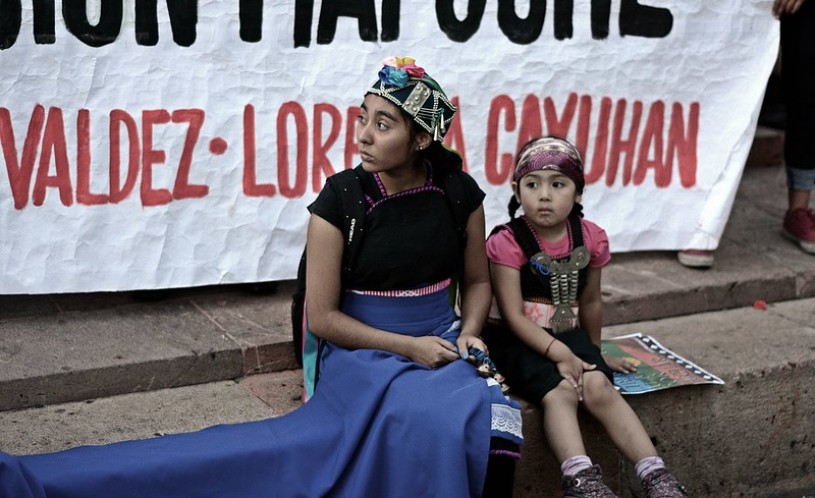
x: 399, y: 410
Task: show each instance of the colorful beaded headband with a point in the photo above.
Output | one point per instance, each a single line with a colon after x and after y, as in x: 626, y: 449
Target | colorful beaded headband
x: 554, y: 154
x: 411, y: 89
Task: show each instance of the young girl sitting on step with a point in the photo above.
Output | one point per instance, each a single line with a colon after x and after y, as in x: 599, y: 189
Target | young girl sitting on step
x: 544, y: 336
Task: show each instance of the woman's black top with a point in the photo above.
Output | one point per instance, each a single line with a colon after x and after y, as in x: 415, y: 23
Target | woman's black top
x: 410, y: 238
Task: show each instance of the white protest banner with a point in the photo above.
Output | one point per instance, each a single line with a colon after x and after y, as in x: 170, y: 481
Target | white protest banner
x: 160, y: 144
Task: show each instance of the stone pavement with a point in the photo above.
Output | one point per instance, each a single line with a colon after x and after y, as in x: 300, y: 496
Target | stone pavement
x: 96, y: 368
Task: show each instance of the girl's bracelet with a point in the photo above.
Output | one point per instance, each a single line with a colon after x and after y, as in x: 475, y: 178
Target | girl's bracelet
x: 546, y: 351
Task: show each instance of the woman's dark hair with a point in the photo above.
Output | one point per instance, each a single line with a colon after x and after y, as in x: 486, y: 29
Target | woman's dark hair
x: 443, y: 159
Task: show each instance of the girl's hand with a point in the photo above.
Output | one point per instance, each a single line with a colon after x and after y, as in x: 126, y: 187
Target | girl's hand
x: 465, y: 342
x: 572, y: 369
x: 622, y: 365
x: 432, y: 351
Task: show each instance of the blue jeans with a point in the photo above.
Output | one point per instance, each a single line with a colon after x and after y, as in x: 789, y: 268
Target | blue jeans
x: 800, y: 179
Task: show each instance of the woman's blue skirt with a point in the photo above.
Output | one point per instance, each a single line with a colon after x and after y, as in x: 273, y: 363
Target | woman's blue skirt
x: 378, y: 425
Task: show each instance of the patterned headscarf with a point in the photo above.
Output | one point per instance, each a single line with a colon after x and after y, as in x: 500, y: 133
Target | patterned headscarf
x: 554, y: 154
x: 418, y: 95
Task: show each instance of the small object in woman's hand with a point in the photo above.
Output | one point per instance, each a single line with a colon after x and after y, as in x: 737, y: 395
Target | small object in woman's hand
x: 479, y: 355
x: 486, y: 368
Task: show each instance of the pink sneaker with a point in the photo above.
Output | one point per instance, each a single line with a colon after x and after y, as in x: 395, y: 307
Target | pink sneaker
x: 799, y: 227
x: 695, y: 258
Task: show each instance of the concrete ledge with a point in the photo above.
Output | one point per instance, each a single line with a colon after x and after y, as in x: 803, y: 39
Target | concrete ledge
x: 754, y: 436
x: 82, y: 353
x: 140, y: 415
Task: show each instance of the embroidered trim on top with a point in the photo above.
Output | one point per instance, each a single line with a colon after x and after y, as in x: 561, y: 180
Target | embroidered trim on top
x: 416, y: 190
x: 422, y: 291
x: 427, y: 181
x: 428, y: 186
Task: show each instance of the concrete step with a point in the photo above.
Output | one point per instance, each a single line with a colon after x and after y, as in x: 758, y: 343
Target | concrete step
x: 72, y: 347
x: 752, y: 437
x: 147, y: 414
x: 64, y: 348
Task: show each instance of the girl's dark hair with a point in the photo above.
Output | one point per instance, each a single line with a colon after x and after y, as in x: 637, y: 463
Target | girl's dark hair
x: 512, y: 207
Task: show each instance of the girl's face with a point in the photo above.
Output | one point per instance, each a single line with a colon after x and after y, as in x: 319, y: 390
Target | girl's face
x: 384, y: 136
x: 547, y: 197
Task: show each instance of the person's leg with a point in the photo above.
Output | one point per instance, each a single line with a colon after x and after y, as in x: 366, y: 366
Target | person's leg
x: 562, y: 430
x: 799, y: 221
x: 798, y: 199
x: 799, y: 155
x: 798, y: 82
x: 560, y: 422
x: 621, y: 423
x: 624, y: 427
x: 500, y: 479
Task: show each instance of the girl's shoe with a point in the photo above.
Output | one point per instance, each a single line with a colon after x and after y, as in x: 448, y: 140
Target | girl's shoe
x: 662, y: 484
x: 587, y: 483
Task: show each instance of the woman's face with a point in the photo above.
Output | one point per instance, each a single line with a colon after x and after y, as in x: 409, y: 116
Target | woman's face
x: 384, y: 136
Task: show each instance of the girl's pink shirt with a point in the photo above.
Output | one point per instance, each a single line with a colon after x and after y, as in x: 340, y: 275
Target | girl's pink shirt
x: 504, y: 250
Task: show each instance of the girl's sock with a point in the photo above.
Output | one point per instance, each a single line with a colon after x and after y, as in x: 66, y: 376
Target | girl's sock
x: 648, y: 465
x: 575, y: 464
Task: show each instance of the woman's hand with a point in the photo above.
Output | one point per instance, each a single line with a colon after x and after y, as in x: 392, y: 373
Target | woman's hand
x: 465, y: 342
x: 571, y: 368
x: 432, y: 351
x: 622, y: 365
x: 781, y: 7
